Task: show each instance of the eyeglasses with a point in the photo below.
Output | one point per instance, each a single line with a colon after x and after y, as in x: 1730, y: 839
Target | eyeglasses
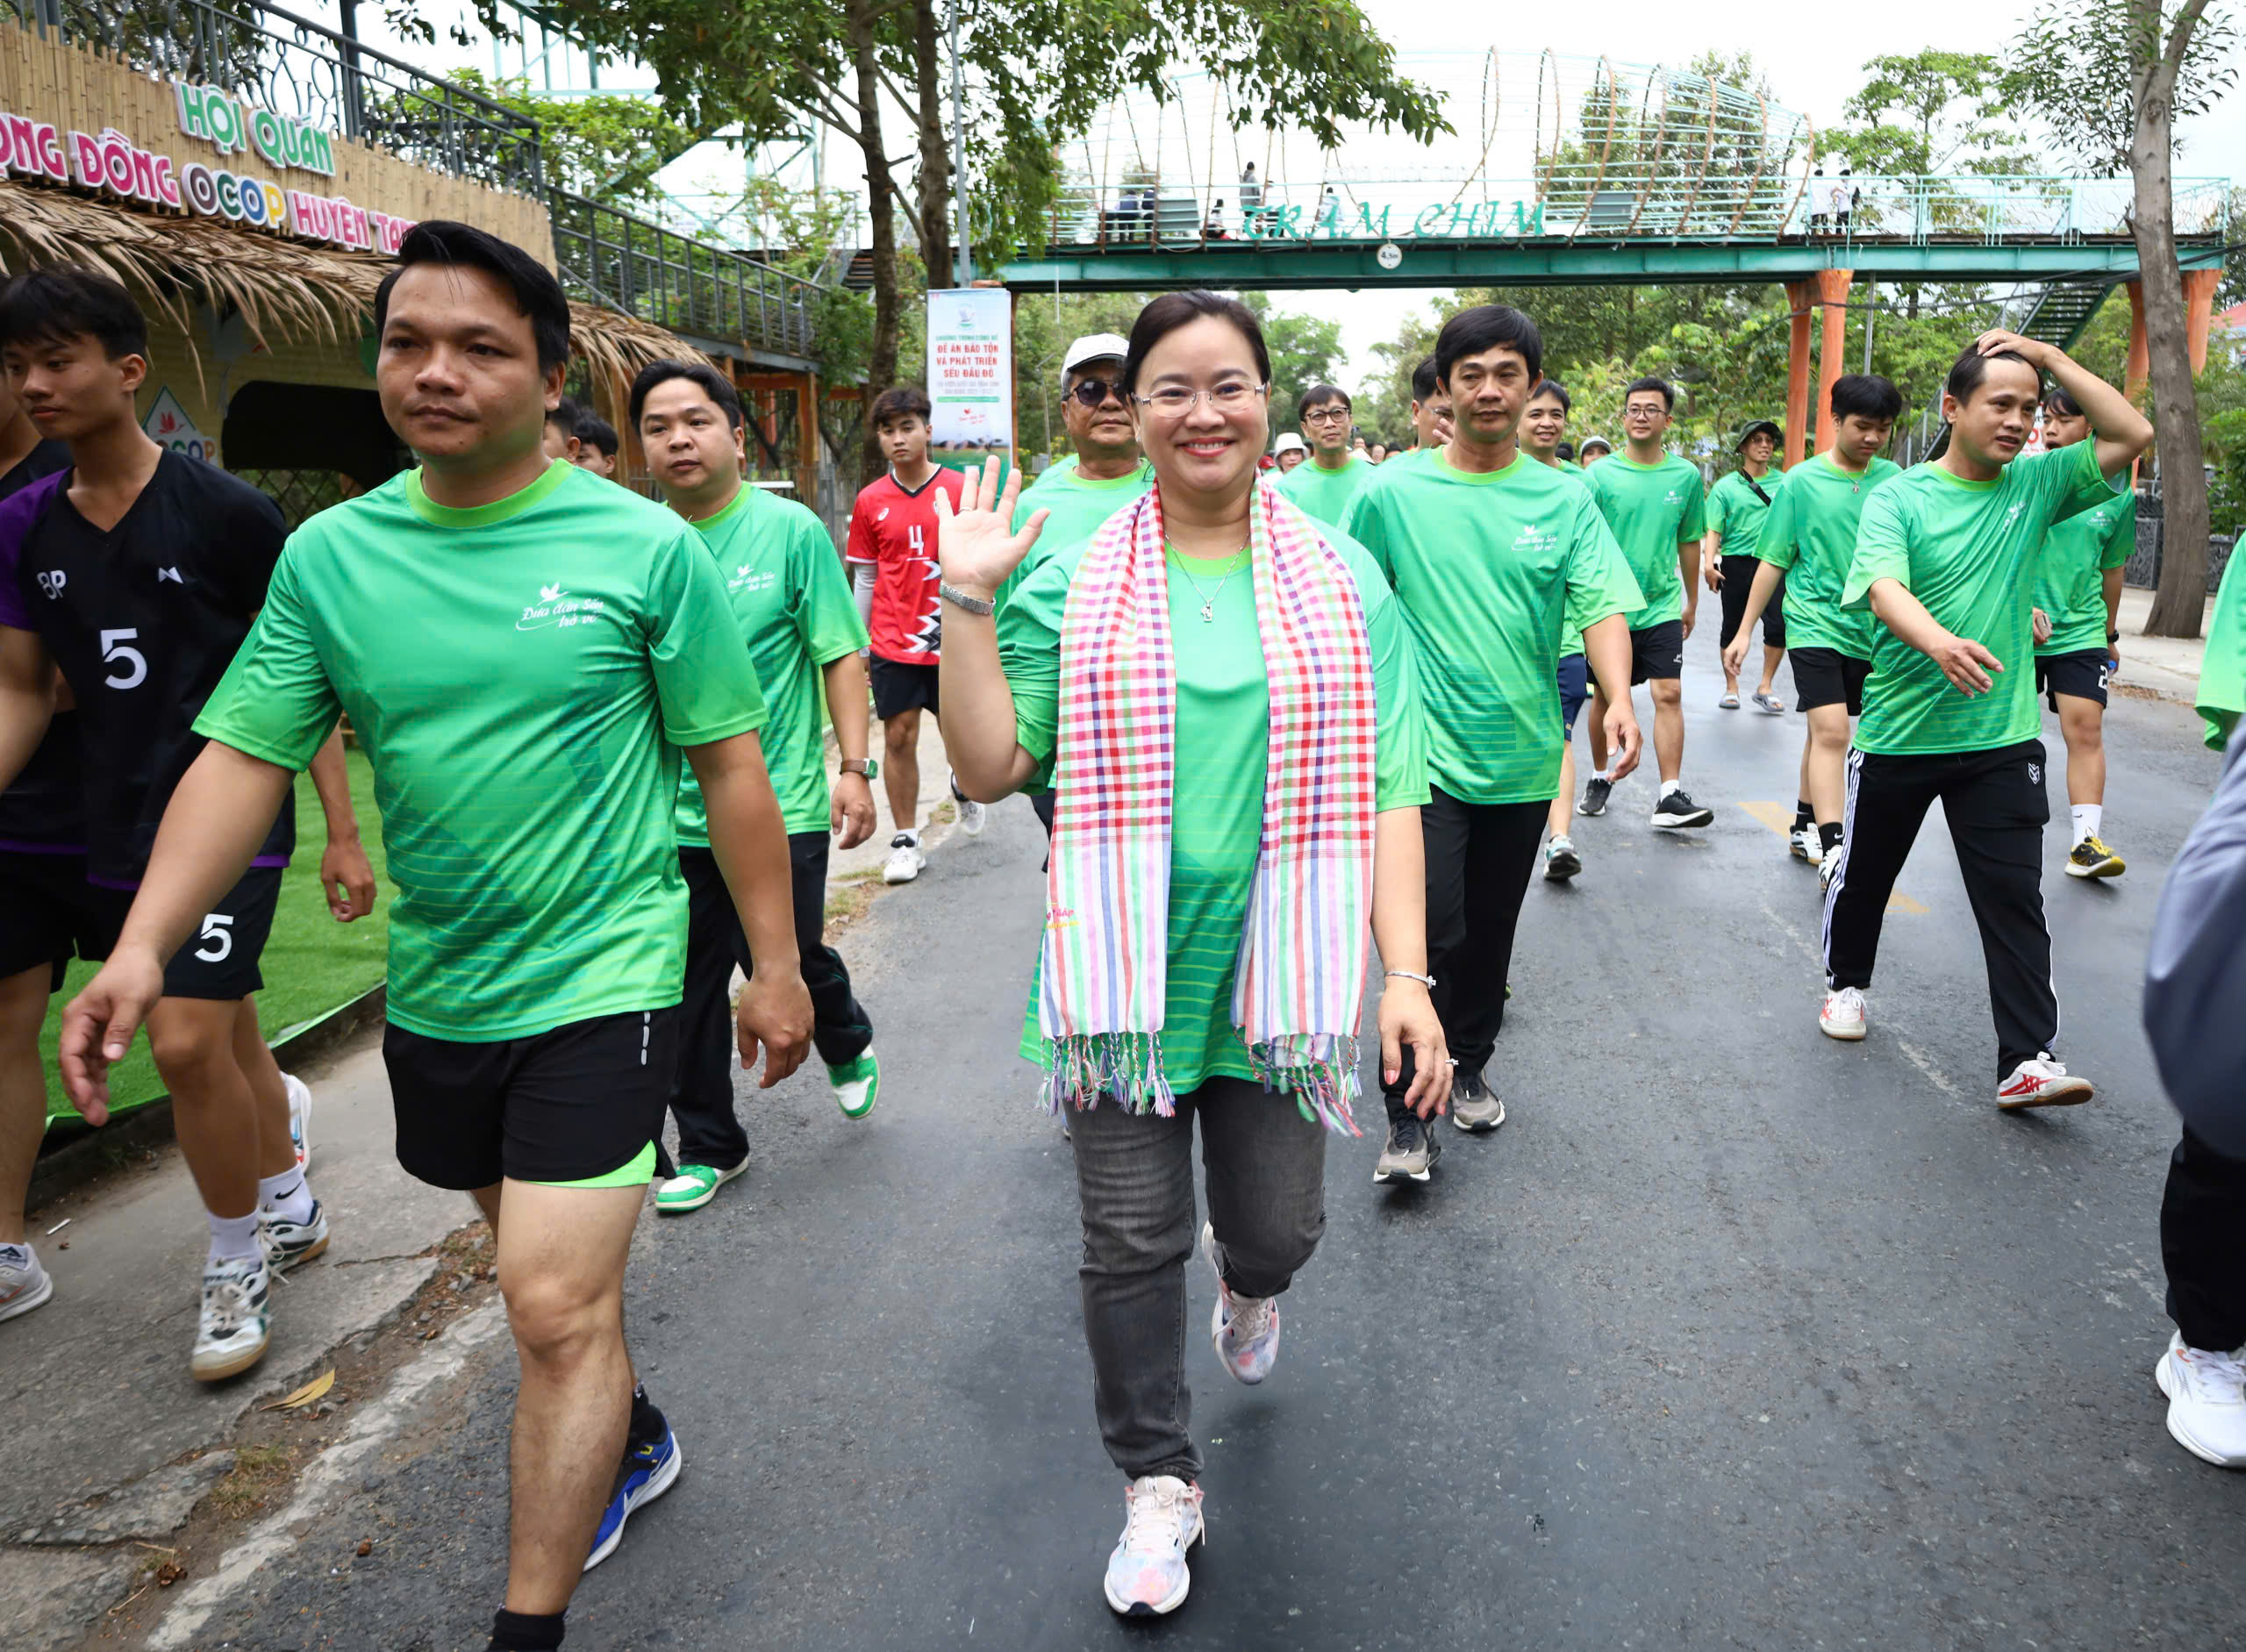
x: 1095, y: 392
x: 1176, y: 402
x: 1325, y: 415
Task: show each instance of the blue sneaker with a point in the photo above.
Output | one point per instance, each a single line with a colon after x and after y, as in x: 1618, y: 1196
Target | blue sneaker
x: 649, y: 1471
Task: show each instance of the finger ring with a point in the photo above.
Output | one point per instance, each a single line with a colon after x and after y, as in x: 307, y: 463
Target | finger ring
x: 1450, y: 1060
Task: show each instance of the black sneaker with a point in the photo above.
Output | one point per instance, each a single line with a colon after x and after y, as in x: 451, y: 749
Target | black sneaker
x: 1594, y: 795
x: 1677, y: 809
x: 1411, y: 1152
x: 1475, y: 1108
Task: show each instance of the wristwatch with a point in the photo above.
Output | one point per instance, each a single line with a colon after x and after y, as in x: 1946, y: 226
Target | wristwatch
x: 869, y: 767
x: 959, y: 599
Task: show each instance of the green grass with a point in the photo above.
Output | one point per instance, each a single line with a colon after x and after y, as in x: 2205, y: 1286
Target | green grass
x: 311, y: 964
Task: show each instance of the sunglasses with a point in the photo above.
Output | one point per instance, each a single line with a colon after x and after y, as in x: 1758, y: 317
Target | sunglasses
x: 1095, y: 392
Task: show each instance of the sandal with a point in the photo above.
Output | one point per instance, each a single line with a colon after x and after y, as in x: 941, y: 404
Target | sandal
x: 1730, y: 703
x: 1770, y: 705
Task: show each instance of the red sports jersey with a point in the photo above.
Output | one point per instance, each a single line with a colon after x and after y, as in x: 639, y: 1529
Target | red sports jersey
x: 894, y: 528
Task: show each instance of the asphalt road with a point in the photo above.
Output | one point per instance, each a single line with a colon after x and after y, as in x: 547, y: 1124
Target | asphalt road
x: 1731, y: 1336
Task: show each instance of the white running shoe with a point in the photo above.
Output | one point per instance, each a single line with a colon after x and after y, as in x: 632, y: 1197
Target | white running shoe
x: 300, y: 1118
x: 1842, y: 1016
x: 2206, y: 1402
x: 1804, y: 844
x: 1147, y: 1575
x: 904, y: 859
x: 287, y: 1243
x: 24, y: 1283
x: 1245, y: 1329
x: 2043, y: 1081
x: 237, y: 1319
x: 1827, y: 869
x: 973, y: 816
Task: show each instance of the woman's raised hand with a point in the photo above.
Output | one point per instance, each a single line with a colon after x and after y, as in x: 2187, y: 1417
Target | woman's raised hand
x: 975, y: 547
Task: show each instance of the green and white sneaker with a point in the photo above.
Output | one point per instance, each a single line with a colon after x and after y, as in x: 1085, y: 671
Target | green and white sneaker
x: 857, y: 1085
x: 694, y: 1186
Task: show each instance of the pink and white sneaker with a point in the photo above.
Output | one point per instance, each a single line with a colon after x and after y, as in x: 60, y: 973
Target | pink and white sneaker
x: 1842, y: 1016
x: 2041, y: 1082
x: 1245, y: 1329
x: 1146, y: 1574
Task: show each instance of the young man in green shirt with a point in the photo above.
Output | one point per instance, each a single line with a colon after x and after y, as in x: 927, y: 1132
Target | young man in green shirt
x: 1110, y: 471
x: 1431, y: 415
x: 784, y: 585
x: 1543, y: 426
x: 1324, y: 486
x: 1737, y: 505
x: 523, y: 648
x: 1653, y: 501
x: 1946, y: 560
x: 1492, y: 555
x: 1805, y: 549
x: 2077, y: 639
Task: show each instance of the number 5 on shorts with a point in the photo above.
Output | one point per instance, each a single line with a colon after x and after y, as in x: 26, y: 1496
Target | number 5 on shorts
x: 218, y: 936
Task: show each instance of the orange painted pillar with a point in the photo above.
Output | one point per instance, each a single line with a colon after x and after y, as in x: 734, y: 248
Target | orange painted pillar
x: 2199, y: 312
x: 1799, y: 296
x: 1832, y: 289
x: 2139, y: 371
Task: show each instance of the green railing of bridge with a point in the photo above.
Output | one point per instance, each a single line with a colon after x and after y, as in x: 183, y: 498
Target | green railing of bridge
x: 638, y: 266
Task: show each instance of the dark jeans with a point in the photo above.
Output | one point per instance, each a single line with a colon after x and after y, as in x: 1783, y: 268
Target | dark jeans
x: 2202, y: 1231
x: 1996, y: 806
x: 1265, y: 1166
x: 702, y: 1097
x: 1479, y: 859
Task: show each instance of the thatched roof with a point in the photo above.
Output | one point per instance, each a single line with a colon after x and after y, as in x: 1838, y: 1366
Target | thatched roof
x: 287, y: 291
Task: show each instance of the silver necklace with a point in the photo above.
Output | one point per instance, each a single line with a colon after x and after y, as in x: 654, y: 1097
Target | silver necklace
x: 1208, y: 597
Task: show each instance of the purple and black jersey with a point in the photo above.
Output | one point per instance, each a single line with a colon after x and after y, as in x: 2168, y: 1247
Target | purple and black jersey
x: 43, y: 811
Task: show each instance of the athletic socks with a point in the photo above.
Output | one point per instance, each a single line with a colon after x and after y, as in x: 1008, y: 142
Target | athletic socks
x: 1668, y: 786
x: 233, y: 1238
x: 1828, y: 833
x: 2088, y: 817
x: 1804, y: 815
x: 1602, y: 773
x: 648, y: 1425
x: 526, y: 1630
x: 288, y: 1196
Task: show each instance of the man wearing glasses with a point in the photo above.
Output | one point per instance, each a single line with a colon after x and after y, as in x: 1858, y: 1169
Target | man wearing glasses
x: 1324, y: 486
x: 1110, y: 472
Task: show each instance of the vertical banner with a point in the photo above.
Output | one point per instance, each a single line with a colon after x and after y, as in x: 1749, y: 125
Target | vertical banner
x: 971, y: 370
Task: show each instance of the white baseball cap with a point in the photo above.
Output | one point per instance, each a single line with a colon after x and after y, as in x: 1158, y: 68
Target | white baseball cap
x: 1094, y: 347
x: 1290, y: 442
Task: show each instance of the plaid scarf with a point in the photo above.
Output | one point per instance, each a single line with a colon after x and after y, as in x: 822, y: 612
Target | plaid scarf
x: 1299, y: 984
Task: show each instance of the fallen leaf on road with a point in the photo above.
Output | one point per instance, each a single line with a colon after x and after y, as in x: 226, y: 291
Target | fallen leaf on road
x: 303, y: 1396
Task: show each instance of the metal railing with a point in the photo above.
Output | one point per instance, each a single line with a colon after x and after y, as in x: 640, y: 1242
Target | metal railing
x: 638, y: 267
x: 302, y: 70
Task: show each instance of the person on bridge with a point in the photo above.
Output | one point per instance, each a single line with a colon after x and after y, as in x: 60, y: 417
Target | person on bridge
x: 1206, y: 940
x: 1805, y: 549
x: 1946, y: 560
x: 2078, y: 637
x: 1490, y: 555
x: 568, y: 638
x: 793, y: 608
x: 1737, y: 505
x: 1323, y: 487
x: 1541, y: 426
x: 1654, y: 502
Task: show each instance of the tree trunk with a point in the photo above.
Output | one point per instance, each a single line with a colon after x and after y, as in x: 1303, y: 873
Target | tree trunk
x: 2179, y: 606
x: 935, y: 149
x: 881, y: 205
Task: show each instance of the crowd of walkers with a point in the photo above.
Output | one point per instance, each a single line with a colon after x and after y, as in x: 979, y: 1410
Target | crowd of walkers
x: 1299, y: 732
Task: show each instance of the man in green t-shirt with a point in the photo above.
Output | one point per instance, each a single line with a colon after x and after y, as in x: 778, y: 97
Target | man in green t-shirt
x: 523, y: 648
x: 1806, y: 545
x: 1544, y: 426
x: 1737, y: 505
x: 1946, y: 558
x: 2077, y: 639
x: 1491, y: 556
x: 1109, y: 471
x: 1654, y: 502
x: 1324, y: 486
x: 784, y: 585
x: 1431, y: 413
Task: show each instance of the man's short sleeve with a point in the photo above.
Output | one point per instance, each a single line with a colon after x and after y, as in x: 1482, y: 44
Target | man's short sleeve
x: 2074, y: 482
x: 825, y: 617
x: 19, y: 513
x: 703, y: 677
x: 1029, y: 650
x: 1883, y: 548
x: 860, y: 547
x: 275, y: 702
x: 1776, y: 545
x: 1599, y: 580
x: 1365, y: 520
x: 1719, y: 511
x: 1696, y: 510
x: 1400, y: 727
x: 248, y: 550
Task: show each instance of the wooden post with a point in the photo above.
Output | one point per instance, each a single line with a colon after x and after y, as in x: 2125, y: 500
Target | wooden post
x: 1799, y: 295
x: 1832, y: 288
x: 2139, y: 371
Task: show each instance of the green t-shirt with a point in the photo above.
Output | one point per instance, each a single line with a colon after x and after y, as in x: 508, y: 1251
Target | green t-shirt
x: 1326, y: 494
x: 1968, y: 552
x: 2223, y: 675
x: 520, y: 675
x: 1571, y: 635
x: 2070, y: 577
x: 1811, y: 533
x: 785, y: 584
x: 1222, y: 732
x: 1490, y: 569
x: 1735, y: 515
x: 1078, y: 508
x: 1653, y: 508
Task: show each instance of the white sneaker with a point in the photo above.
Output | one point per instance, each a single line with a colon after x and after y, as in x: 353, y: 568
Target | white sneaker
x: 24, y: 1283
x: 1147, y: 1575
x: 237, y: 1319
x: 1245, y: 1329
x: 2042, y: 1082
x: 287, y: 1243
x: 1842, y: 1016
x: 300, y: 1118
x: 1827, y: 869
x: 2206, y: 1402
x: 973, y: 816
x: 904, y: 859
x: 1804, y: 845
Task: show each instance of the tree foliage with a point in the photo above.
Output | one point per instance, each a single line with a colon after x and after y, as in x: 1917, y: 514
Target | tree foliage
x: 1934, y: 111
x: 2086, y: 68
x: 601, y: 146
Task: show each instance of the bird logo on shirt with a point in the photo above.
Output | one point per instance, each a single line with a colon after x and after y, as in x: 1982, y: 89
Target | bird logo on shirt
x: 549, y: 593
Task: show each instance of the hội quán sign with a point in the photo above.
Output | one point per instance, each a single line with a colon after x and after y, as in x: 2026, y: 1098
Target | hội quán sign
x: 229, y: 126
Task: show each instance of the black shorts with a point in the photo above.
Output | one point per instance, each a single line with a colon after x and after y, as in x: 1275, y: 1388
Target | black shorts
x: 1738, y: 586
x: 2082, y: 674
x: 1826, y: 676
x: 901, y: 686
x: 563, y: 1106
x: 1657, y: 653
x: 220, y: 959
x: 50, y: 914
x: 1575, y: 689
